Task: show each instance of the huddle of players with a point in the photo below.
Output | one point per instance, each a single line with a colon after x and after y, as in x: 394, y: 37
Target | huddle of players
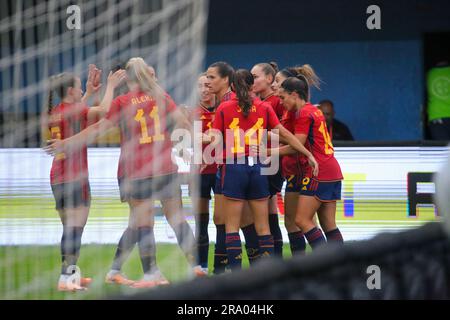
x: 240, y: 101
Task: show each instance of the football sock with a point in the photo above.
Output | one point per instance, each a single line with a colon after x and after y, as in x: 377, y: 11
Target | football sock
x: 234, y: 250
x: 77, y: 234
x: 334, y: 236
x: 202, y: 238
x: 147, y: 249
x: 67, y: 249
x: 275, y: 230
x: 220, y: 251
x: 266, y: 246
x: 297, y: 242
x: 124, y: 248
x: 251, y: 243
x: 315, y: 237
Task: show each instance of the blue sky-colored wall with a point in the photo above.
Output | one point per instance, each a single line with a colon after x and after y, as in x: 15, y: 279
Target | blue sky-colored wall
x: 377, y: 87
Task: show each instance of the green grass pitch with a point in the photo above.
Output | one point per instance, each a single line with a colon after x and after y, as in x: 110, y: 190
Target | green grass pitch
x: 31, y: 272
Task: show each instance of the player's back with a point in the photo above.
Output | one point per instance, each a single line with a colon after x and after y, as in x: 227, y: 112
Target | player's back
x: 230, y: 112
x: 145, y: 126
x: 231, y: 119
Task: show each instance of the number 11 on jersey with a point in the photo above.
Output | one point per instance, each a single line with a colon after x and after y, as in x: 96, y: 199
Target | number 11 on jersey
x: 140, y: 117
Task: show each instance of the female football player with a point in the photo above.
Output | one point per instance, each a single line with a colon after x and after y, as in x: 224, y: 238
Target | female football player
x: 146, y: 115
x: 205, y: 174
x: 291, y: 164
x: 264, y: 75
x: 241, y: 178
x: 220, y: 77
x: 318, y: 193
x: 69, y: 172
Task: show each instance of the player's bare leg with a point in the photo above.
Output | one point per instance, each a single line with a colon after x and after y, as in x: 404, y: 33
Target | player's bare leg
x: 306, y: 209
x: 327, y: 219
x: 142, y: 217
x: 290, y: 211
x: 260, y: 211
x: 247, y: 215
x: 125, y: 246
x: 172, y: 209
x: 219, y: 217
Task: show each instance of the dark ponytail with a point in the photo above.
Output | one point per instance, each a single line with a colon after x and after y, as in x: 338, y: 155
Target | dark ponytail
x: 297, y: 84
x: 274, y: 65
x: 242, y: 83
x: 50, y: 95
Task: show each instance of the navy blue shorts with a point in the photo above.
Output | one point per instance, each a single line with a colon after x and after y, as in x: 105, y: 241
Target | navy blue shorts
x: 158, y: 188
x: 323, y: 191
x: 275, y: 183
x: 244, y: 182
x: 207, y: 183
x: 72, y: 195
x: 218, y: 183
x: 293, y: 183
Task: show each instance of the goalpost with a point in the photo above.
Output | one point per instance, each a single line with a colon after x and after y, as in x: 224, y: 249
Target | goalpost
x: 42, y: 38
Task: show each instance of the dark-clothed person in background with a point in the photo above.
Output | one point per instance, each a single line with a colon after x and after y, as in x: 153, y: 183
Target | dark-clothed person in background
x: 336, y: 129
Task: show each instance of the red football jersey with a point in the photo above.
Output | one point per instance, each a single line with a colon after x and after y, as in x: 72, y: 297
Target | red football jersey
x: 229, y: 95
x: 146, y: 149
x: 290, y: 164
x: 66, y: 120
x: 206, y: 116
x: 276, y: 104
x: 242, y: 130
x: 311, y: 122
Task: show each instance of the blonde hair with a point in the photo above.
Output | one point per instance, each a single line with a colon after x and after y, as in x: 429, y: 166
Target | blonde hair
x: 138, y: 72
x: 308, y: 72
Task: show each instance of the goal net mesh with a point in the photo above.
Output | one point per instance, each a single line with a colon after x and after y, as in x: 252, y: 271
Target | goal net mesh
x: 43, y: 38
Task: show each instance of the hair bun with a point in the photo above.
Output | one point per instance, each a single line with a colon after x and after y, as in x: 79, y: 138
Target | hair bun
x: 274, y: 65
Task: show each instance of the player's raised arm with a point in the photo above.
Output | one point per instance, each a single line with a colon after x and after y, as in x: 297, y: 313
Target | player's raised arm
x: 93, y: 83
x: 113, y: 81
